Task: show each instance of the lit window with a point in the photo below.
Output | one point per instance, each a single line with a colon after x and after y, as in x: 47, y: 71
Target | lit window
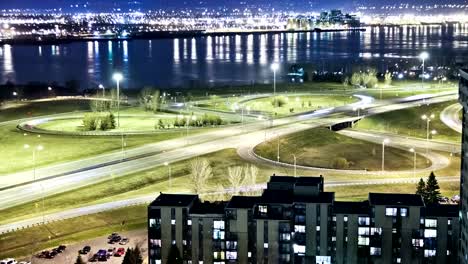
x: 376, y: 231
x: 218, y: 234
x: 333, y: 238
x: 404, y: 212
x: 299, y: 249
x: 158, y: 261
x: 173, y: 222
x: 390, y: 211
x: 218, y: 255
x: 263, y: 209
x: 218, y: 224
x: 299, y: 228
x: 265, y: 245
x: 285, y: 237
x: 249, y: 254
x: 318, y: 228
x: 449, y: 222
x: 363, y: 241
x: 345, y: 219
x: 364, y: 220
x: 429, y: 253
x: 448, y: 252
x: 189, y: 222
x: 417, y: 242
x: 398, y: 260
x: 430, y: 223
x: 173, y: 242
x: 334, y: 219
x: 375, y: 251
x: 231, y: 255
x: 363, y: 231
x: 430, y: 233
x: 200, y: 262
x: 155, y: 242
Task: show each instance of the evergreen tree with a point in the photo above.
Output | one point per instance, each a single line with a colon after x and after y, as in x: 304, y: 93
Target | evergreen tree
x: 421, y: 189
x: 432, y: 190
x: 128, y: 258
x: 138, y: 259
x: 79, y: 260
x: 174, y: 256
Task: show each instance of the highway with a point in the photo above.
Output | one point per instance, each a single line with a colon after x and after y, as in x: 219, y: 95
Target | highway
x: 71, y: 175
x: 450, y: 117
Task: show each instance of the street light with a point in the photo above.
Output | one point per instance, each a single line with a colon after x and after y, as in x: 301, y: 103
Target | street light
x: 385, y: 141
x: 34, y: 150
x: 428, y: 120
x: 103, y: 90
x: 413, y: 150
x: 274, y: 68
x: 168, y: 165
x: 423, y: 56
x: 295, y: 165
x: 117, y: 78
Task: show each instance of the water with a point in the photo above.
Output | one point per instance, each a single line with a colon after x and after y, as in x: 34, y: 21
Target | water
x: 230, y: 59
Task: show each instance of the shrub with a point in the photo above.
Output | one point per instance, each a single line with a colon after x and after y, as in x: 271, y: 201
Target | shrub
x: 278, y: 101
x: 90, y: 122
x: 340, y: 163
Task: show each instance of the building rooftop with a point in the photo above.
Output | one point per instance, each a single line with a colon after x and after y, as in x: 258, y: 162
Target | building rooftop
x: 288, y: 197
x: 243, y: 202
x: 442, y: 210
x: 395, y: 199
x: 351, y: 207
x: 303, y: 180
x: 207, y: 208
x: 178, y: 200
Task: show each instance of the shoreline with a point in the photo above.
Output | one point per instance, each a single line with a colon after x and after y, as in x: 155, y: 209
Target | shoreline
x: 166, y: 35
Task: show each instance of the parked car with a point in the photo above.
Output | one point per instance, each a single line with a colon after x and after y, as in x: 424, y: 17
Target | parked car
x: 102, y: 255
x: 124, y: 241
x: 8, y: 261
x: 85, y: 250
x: 60, y: 248
x: 115, y: 239
x: 112, y: 235
x: 120, y: 252
x: 43, y: 254
x: 51, y: 254
x: 94, y: 258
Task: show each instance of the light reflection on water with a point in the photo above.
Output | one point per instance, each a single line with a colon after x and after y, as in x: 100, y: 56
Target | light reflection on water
x: 229, y: 59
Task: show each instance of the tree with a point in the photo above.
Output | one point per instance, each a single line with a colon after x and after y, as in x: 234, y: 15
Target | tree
x: 388, y: 78
x: 432, y: 190
x: 128, y: 257
x: 201, y: 171
x: 250, y: 178
x: 79, y: 260
x: 235, y: 178
x: 356, y: 79
x: 174, y: 256
x: 421, y: 189
x: 133, y: 256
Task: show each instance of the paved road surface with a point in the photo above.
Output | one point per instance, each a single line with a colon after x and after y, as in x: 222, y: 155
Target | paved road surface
x: 449, y: 116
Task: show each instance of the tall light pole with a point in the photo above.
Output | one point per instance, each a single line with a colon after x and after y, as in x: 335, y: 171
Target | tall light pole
x: 295, y: 165
x: 278, y: 149
x: 34, y: 150
x: 274, y: 68
x: 117, y: 78
x: 428, y: 120
x: 168, y: 165
x: 423, y: 56
x: 413, y: 150
x: 384, y: 142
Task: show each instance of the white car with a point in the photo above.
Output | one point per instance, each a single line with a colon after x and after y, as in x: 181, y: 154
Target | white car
x: 8, y: 261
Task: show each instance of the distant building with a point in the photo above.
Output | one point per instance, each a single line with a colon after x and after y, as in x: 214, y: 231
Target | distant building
x: 464, y: 170
x: 295, y: 221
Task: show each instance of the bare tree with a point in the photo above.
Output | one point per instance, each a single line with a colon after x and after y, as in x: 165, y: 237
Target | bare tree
x: 236, y: 178
x: 250, y: 178
x: 201, y: 172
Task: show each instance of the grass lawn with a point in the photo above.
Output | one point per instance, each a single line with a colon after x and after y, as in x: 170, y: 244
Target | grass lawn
x: 28, y: 109
x: 32, y: 240
x: 401, y: 89
x: 297, y: 104
x: 63, y: 148
x: 361, y: 192
x: 408, y: 122
x: 321, y: 147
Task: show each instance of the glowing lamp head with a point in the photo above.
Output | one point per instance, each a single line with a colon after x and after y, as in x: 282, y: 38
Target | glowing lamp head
x: 101, y: 86
x: 424, y: 56
x: 117, y: 77
x: 386, y: 141
x: 274, y: 66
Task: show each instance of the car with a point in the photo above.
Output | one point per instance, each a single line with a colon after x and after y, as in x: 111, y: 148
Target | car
x: 85, y: 250
x: 51, y: 254
x: 43, y: 254
x: 60, y: 248
x: 102, y: 255
x: 124, y: 241
x: 120, y: 252
x: 94, y: 258
x: 112, y: 235
x: 8, y: 261
x: 115, y: 239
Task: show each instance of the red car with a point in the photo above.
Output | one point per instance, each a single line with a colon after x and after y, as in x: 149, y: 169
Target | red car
x: 120, y: 252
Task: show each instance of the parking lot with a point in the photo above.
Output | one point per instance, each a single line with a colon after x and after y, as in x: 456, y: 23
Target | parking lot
x: 70, y: 254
